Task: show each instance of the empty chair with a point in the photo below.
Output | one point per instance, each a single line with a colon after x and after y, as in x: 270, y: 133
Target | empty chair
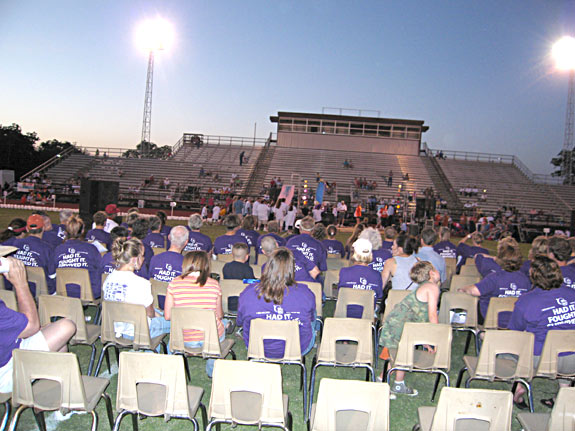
x: 344, y: 343
x: 350, y: 404
x: 335, y: 262
x: 9, y: 298
x: 79, y: 277
x: 50, y: 306
x: 48, y: 381
x: 37, y: 277
x: 455, y: 305
x: 155, y: 385
x: 458, y: 281
x: 561, y: 418
x: 159, y: 289
x: 248, y: 393
x: 490, y: 366
x: 288, y: 332
x: 468, y: 409
x: 408, y: 358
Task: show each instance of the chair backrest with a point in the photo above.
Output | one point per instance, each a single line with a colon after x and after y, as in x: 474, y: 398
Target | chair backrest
x: 186, y: 318
x: 457, y: 404
x: 496, y: 306
x: 496, y: 342
x: 159, y: 290
x: 417, y: 334
x: 230, y: 288
x: 557, y: 341
x: 351, y: 404
x: 48, y: 369
x: 394, y: 297
x: 61, y: 306
x: 247, y: 392
x: 79, y: 276
x: 217, y: 267
x: 158, y: 250
x: 469, y: 269
x: 331, y: 278
x: 225, y: 257
x: 316, y: 290
x: 262, y: 258
x: 257, y: 269
x: 362, y: 298
x: 37, y: 276
x: 335, y: 262
x: 458, y: 301
x: 458, y: 281
x: 450, y: 265
x: 340, y: 329
x: 9, y: 298
x: 2, y: 285
x: 563, y: 413
x: 285, y: 330
x: 128, y: 313
x: 138, y: 371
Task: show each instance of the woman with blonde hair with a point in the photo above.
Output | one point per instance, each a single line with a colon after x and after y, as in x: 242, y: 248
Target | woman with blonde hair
x: 539, y: 247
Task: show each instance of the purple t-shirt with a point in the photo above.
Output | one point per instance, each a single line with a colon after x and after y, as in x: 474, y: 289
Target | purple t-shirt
x: 280, y: 240
x: 486, y: 265
x: 539, y: 311
x: 101, y: 236
x: 166, y: 266
x: 155, y: 240
x: 465, y: 251
x: 445, y: 249
x: 386, y: 245
x: 108, y: 265
x: 298, y: 304
x: 223, y: 244
x: 333, y: 246
x: 33, y: 251
x: 501, y: 284
x: 52, y: 238
x: 60, y: 230
x: 311, y: 248
x: 79, y: 254
x: 198, y: 241
x: 12, y: 324
x: 250, y: 235
x: 362, y: 278
x: 379, y: 258
x: 526, y: 267
x: 568, y: 272
x: 302, y: 267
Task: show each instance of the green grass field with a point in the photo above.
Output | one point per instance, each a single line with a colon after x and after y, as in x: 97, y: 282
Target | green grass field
x: 403, y: 410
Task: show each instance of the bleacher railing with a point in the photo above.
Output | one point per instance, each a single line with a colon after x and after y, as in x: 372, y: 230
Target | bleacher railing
x: 242, y: 141
x: 50, y: 162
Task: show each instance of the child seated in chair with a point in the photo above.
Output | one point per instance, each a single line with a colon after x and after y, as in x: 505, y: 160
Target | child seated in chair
x: 239, y: 269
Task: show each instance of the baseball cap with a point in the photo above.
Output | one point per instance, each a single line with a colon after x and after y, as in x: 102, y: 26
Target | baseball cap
x: 111, y: 209
x: 362, y: 246
x: 35, y: 221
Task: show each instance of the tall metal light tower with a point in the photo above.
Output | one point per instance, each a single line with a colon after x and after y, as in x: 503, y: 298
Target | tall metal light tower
x: 147, y: 122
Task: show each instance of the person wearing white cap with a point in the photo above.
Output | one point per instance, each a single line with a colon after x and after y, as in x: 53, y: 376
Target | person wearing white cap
x: 360, y: 275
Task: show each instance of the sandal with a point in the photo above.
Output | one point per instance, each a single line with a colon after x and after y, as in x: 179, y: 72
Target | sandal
x: 548, y: 402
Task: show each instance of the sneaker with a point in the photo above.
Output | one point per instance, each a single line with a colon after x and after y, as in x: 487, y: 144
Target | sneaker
x: 403, y: 389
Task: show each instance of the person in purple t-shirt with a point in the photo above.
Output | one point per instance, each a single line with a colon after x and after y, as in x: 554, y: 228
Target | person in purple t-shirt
x: 378, y: 253
x: 21, y: 329
x: 108, y: 264
x: 360, y: 275
x: 16, y: 229
x: 248, y: 232
x: 508, y: 282
x: 550, y: 305
x: 155, y: 239
x: 278, y: 297
x: 389, y: 234
x: 465, y: 251
x: 310, y: 247
x: 197, y: 240
x: 332, y: 245
x: 273, y: 231
x: 560, y: 252
x: 223, y: 244
x: 76, y: 253
x: 140, y: 228
x: 539, y: 247
x: 304, y: 269
x: 164, y: 229
x: 98, y: 233
x: 35, y: 252
x: 168, y: 265
x: 49, y: 235
x: 445, y: 248
x: 488, y: 264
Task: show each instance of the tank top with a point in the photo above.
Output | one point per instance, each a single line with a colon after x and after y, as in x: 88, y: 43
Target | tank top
x: 401, y: 279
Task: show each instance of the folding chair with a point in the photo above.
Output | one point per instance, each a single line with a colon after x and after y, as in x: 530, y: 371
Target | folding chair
x: 225, y: 258
x: 458, y: 281
x: 394, y: 297
x: 158, y: 250
x: 496, y: 306
x: 50, y: 306
x: 37, y: 277
x: 80, y: 277
x: 470, y: 270
x: 2, y: 285
x: 357, y: 353
x: 9, y: 298
x: 457, y: 302
x: 248, y: 393
x: 331, y: 279
x: 489, y: 367
x: 350, y: 405
x: 135, y: 314
x: 557, y: 341
x: 468, y: 409
x: 335, y: 262
x: 561, y: 418
x: 159, y: 290
x: 257, y: 270
x: 231, y: 290
x: 217, y: 267
x: 316, y: 289
x: 408, y: 358
x: 47, y: 381
x: 5, y: 399
x: 155, y: 385
x: 187, y: 318
x: 450, y: 265
x: 286, y: 331
x: 262, y: 258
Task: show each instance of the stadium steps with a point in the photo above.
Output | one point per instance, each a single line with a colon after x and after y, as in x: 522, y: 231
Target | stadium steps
x: 259, y: 171
x: 442, y: 185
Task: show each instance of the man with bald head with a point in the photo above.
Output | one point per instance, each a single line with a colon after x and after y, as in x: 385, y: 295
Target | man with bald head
x: 168, y: 265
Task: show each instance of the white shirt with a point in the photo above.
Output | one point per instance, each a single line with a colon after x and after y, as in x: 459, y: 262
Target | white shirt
x: 263, y: 212
x: 317, y: 214
x: 216, y: 212
x: 110, y: 224
x: 125, y: 286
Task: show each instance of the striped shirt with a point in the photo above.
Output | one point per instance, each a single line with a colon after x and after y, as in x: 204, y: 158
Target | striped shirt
x: 187, y: 293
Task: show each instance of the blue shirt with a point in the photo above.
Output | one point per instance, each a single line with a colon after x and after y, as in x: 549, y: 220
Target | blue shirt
x: 428, y: 254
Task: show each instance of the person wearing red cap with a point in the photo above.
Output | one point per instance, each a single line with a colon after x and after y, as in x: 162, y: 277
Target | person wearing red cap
x: 34, y: 251
x: 111, y: 211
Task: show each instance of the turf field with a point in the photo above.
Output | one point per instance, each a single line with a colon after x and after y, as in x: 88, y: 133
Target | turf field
x: 403, y: 410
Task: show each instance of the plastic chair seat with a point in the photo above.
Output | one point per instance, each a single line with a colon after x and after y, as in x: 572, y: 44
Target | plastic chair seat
x: 422, y: 359
x: 504, y: 368
x: 225, y: 346
x: 92, y: 334
x: 533, y: 421
x: 425, y: 415
x: 47, y: 392
x: 94, y: 387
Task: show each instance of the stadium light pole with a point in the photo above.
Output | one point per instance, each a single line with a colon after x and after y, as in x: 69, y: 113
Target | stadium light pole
x: 151, y: 36
x: 564, y: 55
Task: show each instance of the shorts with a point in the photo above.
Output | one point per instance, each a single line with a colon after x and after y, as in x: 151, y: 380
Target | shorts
x: 34, y: 342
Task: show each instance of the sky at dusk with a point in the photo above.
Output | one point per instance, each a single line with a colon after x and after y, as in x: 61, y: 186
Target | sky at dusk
x: 479, y: 73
